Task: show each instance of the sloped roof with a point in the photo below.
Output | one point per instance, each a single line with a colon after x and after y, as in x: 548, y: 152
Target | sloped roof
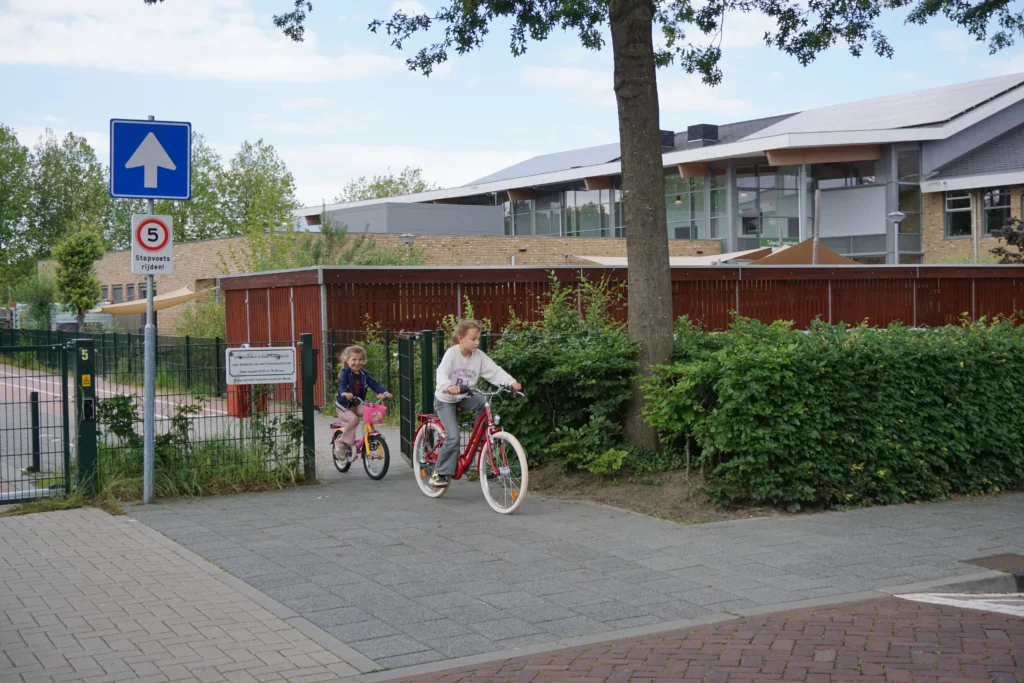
x: 906, y: 110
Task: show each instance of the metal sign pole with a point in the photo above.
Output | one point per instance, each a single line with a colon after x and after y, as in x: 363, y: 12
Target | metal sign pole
x: 149, y: 388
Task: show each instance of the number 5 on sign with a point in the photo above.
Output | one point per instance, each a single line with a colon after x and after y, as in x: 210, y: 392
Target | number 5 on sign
x: 152, y: 245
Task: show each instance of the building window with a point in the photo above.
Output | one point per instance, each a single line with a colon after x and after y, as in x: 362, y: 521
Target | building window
x: 131, y: 292
x: 684, y: 207
x: 547, y: 217
x: 142, y: 291
x: 958, y: 213
x: 995, y: 203
x: 116, y: 294
x: 104, y: 292
x: 719, y: 204
x: 522, y: 217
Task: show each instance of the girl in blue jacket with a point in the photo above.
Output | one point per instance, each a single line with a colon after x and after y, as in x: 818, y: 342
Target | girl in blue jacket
x: 353, y: 382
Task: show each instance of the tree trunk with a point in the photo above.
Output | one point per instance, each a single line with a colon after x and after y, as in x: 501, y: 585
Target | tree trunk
x: 81, y: 319
x: 643, y: 184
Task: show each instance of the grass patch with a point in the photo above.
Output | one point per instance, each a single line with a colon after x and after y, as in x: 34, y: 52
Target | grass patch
x: 207, y: 468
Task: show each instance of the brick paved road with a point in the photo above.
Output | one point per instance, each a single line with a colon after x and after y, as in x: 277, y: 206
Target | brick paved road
x: 881, y: 641
x: 87, y: 596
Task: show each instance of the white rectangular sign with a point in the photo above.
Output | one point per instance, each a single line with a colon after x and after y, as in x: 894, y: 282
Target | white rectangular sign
x: 273, y: 365
x: 152, y: 245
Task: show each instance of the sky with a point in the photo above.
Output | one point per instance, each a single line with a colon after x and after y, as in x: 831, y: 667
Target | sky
x: 343, y: 104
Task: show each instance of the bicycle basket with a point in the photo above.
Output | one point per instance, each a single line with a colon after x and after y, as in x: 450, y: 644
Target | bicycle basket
x: 374, y: 413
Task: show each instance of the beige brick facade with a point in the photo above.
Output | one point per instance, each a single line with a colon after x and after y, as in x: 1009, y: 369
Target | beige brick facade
x: 198, y: 264
x: 940, y: 249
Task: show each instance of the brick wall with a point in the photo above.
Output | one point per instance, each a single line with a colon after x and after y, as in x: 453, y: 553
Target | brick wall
x: 940, y: 249
x: 196, y: 264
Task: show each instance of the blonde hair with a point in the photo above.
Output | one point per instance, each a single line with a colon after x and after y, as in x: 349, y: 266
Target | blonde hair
x: 350, y: 351
x: 463, y: 328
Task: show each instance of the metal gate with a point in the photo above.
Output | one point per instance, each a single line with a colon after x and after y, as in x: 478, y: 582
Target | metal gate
x: 35, y: 439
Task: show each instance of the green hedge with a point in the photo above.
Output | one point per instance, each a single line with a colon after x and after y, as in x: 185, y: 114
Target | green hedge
x: 575, y: 365
x: 842, y: 416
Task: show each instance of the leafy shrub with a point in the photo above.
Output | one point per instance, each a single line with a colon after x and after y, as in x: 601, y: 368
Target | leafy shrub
x: 838, y: 416
x: 575, y: 365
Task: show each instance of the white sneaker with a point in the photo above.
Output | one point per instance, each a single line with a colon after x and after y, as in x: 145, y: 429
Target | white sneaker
x: 342, y: 451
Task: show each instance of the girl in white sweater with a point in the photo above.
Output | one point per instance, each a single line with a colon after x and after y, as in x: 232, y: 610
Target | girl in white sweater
x: 462, y: 365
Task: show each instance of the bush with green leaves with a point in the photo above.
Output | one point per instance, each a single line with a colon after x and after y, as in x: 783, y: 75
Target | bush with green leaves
x: 837, y: 416
x: 575, y: 365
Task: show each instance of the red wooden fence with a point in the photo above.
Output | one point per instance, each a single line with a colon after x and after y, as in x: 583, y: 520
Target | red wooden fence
x: 278, y: 307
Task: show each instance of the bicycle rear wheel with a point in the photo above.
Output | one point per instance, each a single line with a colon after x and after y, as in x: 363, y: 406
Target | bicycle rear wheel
x: 427, y: 439
x: 340, y: 464
x: 504, y: 476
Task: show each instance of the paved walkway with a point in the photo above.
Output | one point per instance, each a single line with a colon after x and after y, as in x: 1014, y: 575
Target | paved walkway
x: 882, y: 641
x: 405, y: 580
x: 87, y: 596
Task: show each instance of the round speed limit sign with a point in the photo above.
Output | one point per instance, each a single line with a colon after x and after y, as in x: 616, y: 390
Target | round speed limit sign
x: 152, y: 245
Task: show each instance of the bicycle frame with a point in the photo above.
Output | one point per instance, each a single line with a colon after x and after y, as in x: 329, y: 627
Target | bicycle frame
x: 368, y: 431
x: 478, y: 438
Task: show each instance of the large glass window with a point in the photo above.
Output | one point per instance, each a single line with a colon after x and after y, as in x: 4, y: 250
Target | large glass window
x: 131, y: 292
x: 768, y: 203
x: 719, y: 203
x: 684, y: 207
x: 908, y: 178
x: 958, y: 213
x: 844, y: 174
x: 522, y: 217
x: 117, y: 294
x: 592, y: 213
x: 547, y: 218
x: 995, y: 203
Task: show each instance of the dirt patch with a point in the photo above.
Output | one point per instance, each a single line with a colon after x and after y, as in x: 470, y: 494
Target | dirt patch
x: 674, y: 496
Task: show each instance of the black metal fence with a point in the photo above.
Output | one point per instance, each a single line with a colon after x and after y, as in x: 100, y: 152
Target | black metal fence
x: 209, y: 436
x: 35, y: 437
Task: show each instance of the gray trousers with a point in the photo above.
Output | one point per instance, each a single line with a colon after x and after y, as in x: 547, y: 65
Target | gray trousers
x: 448, y: 458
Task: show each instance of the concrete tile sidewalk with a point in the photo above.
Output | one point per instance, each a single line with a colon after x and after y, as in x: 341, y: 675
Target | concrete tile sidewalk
x: 87, y: 596
x: 405, y: 580
x: 879, y: 641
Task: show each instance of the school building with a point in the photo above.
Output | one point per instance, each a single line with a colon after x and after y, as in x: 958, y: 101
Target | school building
x: 950, y: 159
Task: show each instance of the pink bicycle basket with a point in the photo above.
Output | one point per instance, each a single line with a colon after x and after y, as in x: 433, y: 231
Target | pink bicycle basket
x: 374, y: 413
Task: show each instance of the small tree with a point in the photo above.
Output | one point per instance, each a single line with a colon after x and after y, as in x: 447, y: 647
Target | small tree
x: 77, y: 286
x: 1011, y: 232
x: 39, y: 292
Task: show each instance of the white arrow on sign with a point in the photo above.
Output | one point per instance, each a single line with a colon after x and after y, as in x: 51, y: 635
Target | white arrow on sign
x: 151, y: 156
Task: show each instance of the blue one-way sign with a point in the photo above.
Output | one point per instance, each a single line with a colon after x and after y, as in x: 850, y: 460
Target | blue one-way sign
x: 150, y: 159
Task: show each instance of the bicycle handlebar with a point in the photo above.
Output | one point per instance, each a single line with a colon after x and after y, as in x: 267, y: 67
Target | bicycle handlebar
x: 502, y: 388
x: 359, y: 401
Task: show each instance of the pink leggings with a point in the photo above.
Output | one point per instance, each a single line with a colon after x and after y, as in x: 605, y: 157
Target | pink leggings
x: 351, y: 418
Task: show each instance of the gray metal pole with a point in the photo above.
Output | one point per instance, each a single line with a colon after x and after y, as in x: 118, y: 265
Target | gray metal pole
x: 149, y: 388
x: 817, y: 227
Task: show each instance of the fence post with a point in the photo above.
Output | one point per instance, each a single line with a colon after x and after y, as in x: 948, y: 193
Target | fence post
x: 308, y: 426
x: 218, y: 376
x: 33, y: 399
x: 440, y: 341
x: 387, y: 359
x: 427, y: 365
x: 483, y: 340
x: 85, y: 414
x: 188, y: 364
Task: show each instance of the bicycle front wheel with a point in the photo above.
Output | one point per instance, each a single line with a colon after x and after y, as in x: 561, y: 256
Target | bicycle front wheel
x: 427, y: 439
x: 504, y: 475
x: 377, y: 461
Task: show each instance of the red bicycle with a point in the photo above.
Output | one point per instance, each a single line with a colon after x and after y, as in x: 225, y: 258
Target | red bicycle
x: 498, y: 456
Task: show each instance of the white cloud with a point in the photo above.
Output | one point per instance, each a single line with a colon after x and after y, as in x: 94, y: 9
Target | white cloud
x: 322, y: 170
x: 301, y: 103
x: 222, y: 39
x: 955, y: 40
x: 409, y: 7
x: 100, y: 142
x: 675, y: 93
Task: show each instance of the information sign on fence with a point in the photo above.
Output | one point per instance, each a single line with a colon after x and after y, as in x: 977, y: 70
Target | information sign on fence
x: 274, y: 365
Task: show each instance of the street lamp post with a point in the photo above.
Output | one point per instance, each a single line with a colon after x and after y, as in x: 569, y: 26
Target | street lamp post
x: 896, y: 217
x: 407, y: 239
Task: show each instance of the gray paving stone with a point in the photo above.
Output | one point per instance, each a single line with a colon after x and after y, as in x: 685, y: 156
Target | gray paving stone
x: 571, y: 627
x: 464, y: 646
x: 389, y: 646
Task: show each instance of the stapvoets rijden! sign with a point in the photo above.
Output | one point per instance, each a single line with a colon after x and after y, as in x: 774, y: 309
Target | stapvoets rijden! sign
x: 270, y: 365
x: 152, y: 245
